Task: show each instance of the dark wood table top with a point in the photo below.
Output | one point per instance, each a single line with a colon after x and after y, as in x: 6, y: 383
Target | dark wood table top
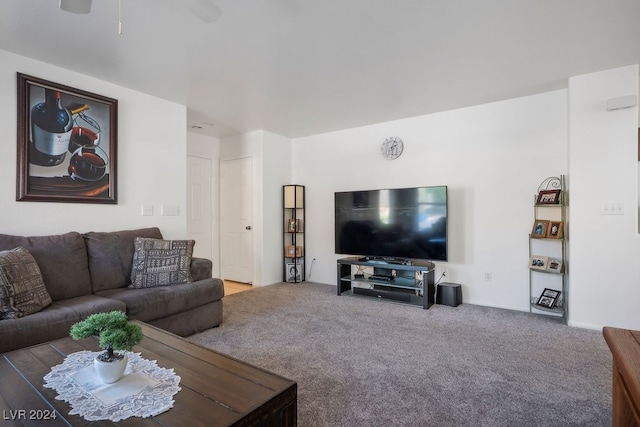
x: 216, y: 389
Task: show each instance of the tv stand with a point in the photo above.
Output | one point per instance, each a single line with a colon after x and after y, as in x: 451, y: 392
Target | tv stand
x: 401, y: 281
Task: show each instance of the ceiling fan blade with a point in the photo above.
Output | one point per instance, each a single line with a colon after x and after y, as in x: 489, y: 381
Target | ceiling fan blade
x: 76, y: 6
x: 204, y: 9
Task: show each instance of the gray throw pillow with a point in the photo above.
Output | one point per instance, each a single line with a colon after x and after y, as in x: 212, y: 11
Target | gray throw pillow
x: 159, y: 262
x: 22, y: 290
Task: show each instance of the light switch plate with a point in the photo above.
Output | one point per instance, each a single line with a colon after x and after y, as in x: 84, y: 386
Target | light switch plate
x: 612, y: 208
x: 169, y: 210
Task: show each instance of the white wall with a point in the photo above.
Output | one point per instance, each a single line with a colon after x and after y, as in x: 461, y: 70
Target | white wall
x: 151, y: 160
x: 276, y: 159
x: 604, y: 267
x: 492, y: 158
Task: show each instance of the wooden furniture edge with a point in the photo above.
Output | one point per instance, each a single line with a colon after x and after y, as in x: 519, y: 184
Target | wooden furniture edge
x: 625, y: 349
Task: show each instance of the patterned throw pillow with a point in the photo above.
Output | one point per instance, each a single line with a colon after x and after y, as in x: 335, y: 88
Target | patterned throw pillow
x: 161, y: 262
x: 22, y: 291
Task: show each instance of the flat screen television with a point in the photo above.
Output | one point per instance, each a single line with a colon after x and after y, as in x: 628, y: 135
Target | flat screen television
x: 396, y: 223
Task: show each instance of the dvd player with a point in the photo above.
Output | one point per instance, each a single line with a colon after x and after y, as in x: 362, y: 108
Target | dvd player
x: 381, y: 277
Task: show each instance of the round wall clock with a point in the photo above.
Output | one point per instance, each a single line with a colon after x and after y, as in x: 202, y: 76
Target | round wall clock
x: 392, y: 148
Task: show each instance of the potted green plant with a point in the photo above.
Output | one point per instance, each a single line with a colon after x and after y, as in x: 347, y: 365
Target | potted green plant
x: 115, y: 333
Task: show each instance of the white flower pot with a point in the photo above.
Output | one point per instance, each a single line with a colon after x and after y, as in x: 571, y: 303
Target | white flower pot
x: 110, y: 372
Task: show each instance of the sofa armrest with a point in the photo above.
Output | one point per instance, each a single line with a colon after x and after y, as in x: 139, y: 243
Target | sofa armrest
x: 201, y: 268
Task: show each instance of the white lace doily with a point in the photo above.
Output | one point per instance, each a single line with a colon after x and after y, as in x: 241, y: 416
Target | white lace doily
x: 146, y: 389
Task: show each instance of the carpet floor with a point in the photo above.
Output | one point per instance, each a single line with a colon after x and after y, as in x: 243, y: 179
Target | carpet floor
x: 363, y: 362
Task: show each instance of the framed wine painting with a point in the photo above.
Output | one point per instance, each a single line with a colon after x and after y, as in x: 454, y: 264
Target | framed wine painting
x: 67, y: 144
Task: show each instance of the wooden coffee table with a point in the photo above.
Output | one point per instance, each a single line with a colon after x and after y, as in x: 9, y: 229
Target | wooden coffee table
x: 625, y: 348
x: 216, y: 390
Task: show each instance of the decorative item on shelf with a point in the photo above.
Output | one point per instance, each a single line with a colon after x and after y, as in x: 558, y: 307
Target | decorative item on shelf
x: 555, y: 230
x: 548, y: 298
x: 540, y: 227
x: 294, y: 225
x: 550, y: 191
x: 294, y: 251
x: 294, y: 272
x: 554, y: 265
x: 537, y: 262
x: 548, y: 197
x: 115, y: 333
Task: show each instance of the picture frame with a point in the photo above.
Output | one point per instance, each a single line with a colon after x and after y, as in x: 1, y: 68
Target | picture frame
x: 554, y: 265
x: 540, y: 227
x: 294, y: 272
x: 537, y: 262
x: 69, y: 156
x: 293, y: 251
x: 294, y: 225
x: 548, y: 197
x: 555, y: 230
x: 548, y: 298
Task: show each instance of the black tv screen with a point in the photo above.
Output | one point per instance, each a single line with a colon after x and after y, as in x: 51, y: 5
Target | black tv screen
x: 396, y: 223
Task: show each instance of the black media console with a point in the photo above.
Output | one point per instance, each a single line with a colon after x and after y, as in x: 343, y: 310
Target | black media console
x: 407, y: 282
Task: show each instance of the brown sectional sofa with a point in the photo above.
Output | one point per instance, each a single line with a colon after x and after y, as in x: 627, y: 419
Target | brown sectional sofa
x: 90, y: 273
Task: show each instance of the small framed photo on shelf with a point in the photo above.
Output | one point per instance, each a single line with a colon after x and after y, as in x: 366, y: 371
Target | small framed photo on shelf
x: 293, y: 251
x: 540, y: 227
x: 548, y: 298
x: 554, y: 265
x: 537, y: 262
x: 294, y: 225
x: 294, y: 272
x: 555, y: 230
x: 548, y: 197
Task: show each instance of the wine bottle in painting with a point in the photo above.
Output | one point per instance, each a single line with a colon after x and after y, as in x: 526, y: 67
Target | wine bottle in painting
x: 51, y: 126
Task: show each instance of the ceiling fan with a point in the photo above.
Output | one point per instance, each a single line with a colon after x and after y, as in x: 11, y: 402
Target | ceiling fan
x: 204, y: 9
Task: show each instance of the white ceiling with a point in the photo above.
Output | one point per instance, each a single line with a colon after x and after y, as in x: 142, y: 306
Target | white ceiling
x: 302, y: 67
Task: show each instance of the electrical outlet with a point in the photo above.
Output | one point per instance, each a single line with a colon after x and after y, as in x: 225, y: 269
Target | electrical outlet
x: 147, y: 210
x: 488, y: 276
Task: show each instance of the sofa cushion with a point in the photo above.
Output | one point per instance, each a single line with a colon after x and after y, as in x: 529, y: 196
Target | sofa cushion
x: 22, y: 291
x: 192, y: 321
x: 159, y: 262
x: 201, y: 268
x: 54, y: 322
x: 111, y: 256
x: 154, y: 303
x: 62, y: 260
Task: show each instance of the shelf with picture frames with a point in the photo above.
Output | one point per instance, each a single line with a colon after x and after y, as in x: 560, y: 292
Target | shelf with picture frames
x: 548, y: 249
x: 293, y: 240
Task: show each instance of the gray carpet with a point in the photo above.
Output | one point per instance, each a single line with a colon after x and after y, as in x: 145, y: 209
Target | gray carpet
x: 365, y: 362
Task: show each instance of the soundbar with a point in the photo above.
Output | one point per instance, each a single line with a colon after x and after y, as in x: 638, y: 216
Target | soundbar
x: 386, y: 260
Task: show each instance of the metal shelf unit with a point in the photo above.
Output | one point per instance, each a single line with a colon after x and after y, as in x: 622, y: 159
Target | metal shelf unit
x: 552, y: 248
x: 293, y: 226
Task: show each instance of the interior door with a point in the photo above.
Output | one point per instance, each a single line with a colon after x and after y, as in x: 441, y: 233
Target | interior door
x: 199, y: 203
x: 236, y: 220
